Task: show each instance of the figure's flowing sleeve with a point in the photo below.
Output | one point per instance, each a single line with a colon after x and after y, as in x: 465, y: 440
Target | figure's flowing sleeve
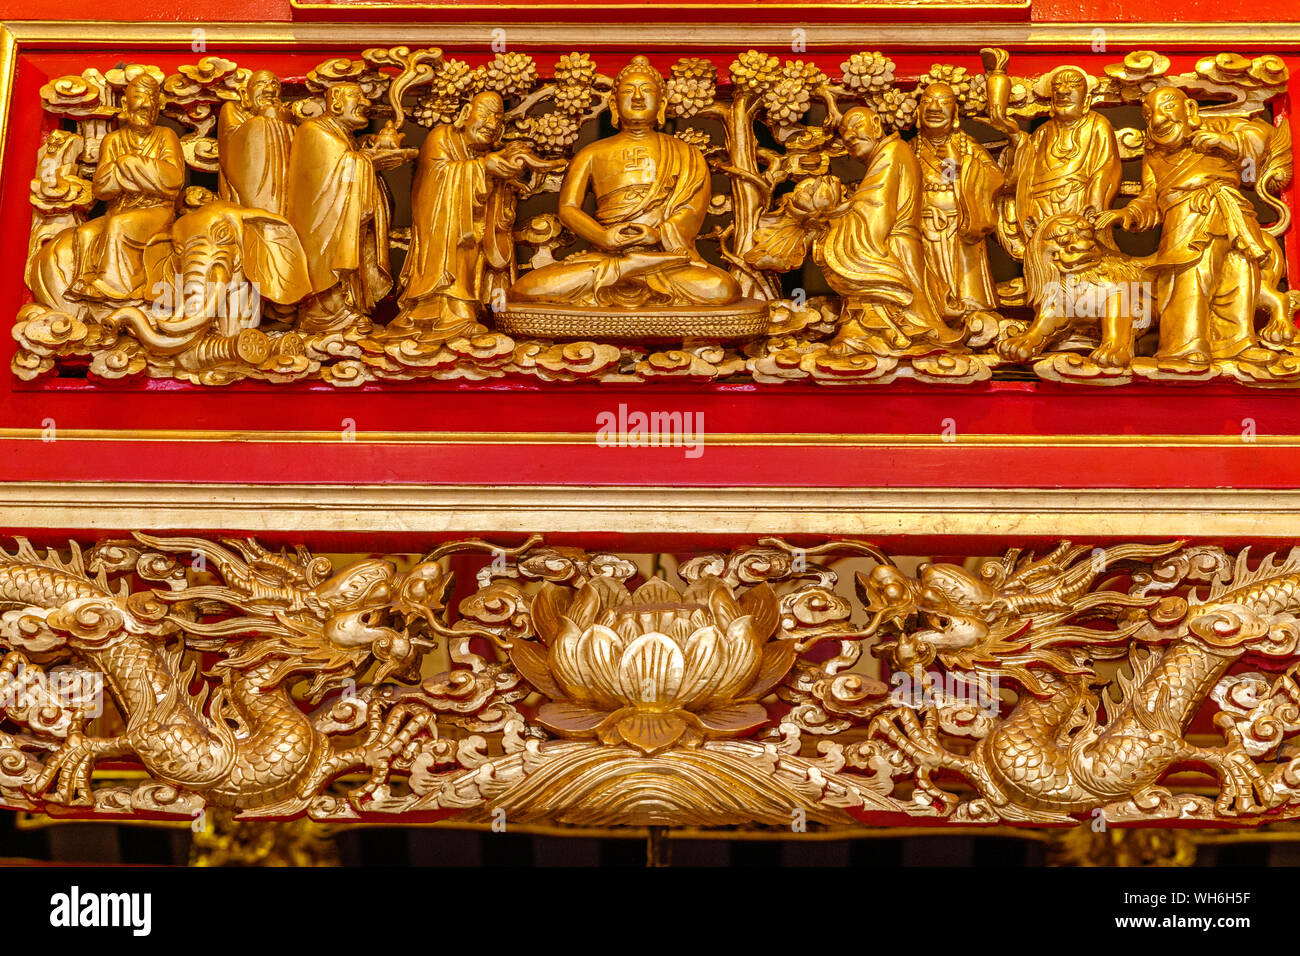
x: 106, y: 185
x: 1020, y: 172
x: 231, y: 138
x: 254, y: 159
x: 1143, y: 210
x: 979, y: 181
x: 460, y: 188
x: 1102, y: 166
x: 856, y: 245
x: 449, y: 194
x: 327, y: 196
x: 158, y: 169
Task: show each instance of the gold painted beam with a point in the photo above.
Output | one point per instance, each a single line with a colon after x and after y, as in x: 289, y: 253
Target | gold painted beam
x: 967, y: 36
x: 720, y: 439
x: 1086, y: 514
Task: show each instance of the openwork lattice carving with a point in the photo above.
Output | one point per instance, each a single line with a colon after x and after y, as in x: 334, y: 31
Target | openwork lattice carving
x: 1027, y: 688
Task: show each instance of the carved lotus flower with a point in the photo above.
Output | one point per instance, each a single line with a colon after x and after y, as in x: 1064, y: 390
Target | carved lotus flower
x: 656, y: 667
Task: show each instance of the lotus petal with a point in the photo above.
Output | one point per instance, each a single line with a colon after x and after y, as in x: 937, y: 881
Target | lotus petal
x: 625, y: 627
x: 600, y: 652
x: 651, y: 670
x: 778, y: 658
x: 656, y: 591
x: 744, y: 654
x: 651, y: 733
x: 566, y: 665
x: 761, y: 604
x: 584, y: 607
x: 530, y: 660
x: 547, y: 608
x: 613, y: 593
x: 733, y: 718
x: 698, y: 591
x: 658, y: 604
x: 705, y: 657
x: 680, y: 630
x: 723, y: 605
x: 570, y: 720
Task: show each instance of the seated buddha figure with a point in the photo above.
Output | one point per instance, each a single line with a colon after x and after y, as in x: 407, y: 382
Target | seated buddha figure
x: 652, y: 194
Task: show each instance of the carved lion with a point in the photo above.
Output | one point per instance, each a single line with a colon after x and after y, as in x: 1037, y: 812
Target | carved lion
x: 1079, y: 288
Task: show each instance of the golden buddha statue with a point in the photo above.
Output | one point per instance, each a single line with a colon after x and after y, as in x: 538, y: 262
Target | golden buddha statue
x: 652, y: 194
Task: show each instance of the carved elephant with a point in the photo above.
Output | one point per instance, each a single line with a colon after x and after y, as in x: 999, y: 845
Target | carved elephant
x: 225, y: 258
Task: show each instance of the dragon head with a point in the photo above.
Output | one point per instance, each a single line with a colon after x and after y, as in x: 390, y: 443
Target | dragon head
x: 1015, y: 616
x: 301, y: 621
x: 368, y: 611
x: 940, y: 612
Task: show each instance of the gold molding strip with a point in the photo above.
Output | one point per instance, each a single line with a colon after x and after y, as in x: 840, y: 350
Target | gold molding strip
x: 843, y: 512
x: 793, y: 7
x: 8, y: 67
x: 721, y: 439
x: 86, y: 34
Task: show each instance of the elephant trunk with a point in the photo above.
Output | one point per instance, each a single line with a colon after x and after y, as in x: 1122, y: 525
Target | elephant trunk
x: 174, y: 339
x: 249, y: 346
x: 204, y: 288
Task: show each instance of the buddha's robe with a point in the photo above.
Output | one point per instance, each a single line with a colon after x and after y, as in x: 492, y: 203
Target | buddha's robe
x: 872, y: 253
x: 253, y: 153
x: 672, y: 200
x: 959, y: 182
x: 123, y: 256
x: 341, y: 215
x: 460, y: 237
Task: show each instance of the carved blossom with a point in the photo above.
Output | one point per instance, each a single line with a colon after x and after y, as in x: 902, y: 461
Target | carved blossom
x: 655, y: 667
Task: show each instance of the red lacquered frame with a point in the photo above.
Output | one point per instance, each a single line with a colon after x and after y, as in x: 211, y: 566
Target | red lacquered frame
x: 1002, y: 435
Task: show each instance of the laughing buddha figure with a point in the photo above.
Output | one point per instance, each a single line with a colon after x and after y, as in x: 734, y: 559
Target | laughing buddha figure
x: 652, y: 194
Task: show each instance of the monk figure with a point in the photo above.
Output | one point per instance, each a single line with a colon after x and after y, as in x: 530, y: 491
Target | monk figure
x: 1215, y: 266
x: 871, y: 253
x: 960, y: 182
x: 1070, y: 163
x: 652, y: 193
x: 253, y: 142
x: 1068, y: 167
x: 122, y: 258
x: 340, y: 212
x: 463, y: 210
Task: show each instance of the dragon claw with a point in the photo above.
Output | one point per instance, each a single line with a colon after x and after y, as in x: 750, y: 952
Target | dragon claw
x: 390, y: 743
x: 1240, y: 778
x: 71, y: 766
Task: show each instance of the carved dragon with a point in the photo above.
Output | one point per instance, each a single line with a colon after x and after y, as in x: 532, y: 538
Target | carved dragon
x: 280, y: 619
x: 1062, y: 749
x: 712, y: 705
